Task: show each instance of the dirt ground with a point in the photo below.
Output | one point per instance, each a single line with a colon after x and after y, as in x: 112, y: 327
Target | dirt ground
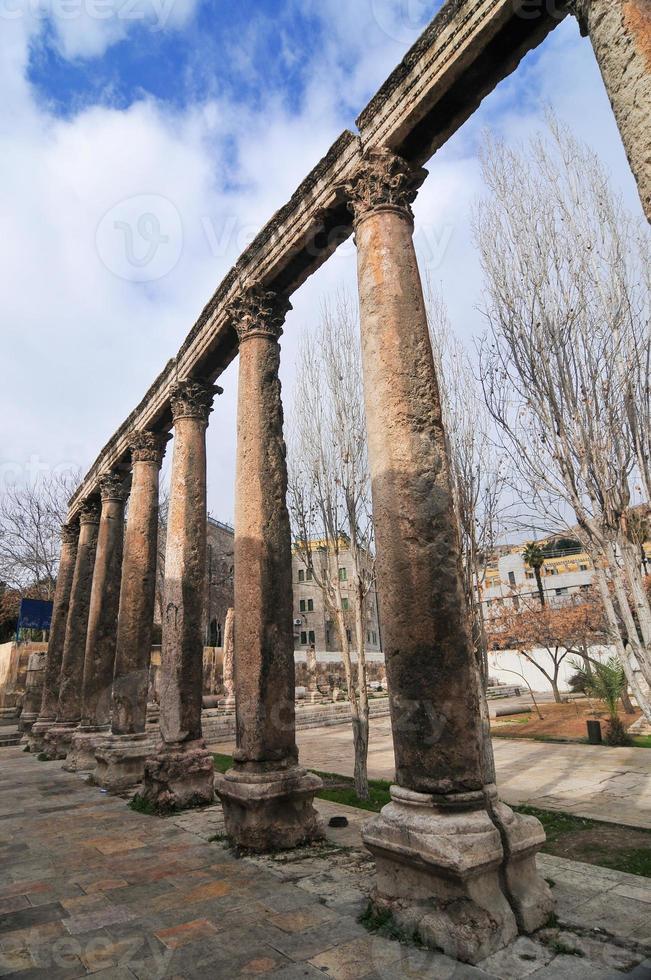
x: 564, y: 721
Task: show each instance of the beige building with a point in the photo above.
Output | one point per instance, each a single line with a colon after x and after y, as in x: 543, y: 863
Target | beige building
x: 312, y: 622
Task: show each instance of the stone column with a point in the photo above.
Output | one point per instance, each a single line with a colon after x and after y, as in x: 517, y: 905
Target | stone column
x: 48, y: 712
x: 99, y: 658
x: 452, y: 863
x: 620, y: 32
x: 34, y: 680
x: 267, y: 797
x: 181, y: 773
x: 58, y: 738
x: 229, y: 661
x: 121, y: 758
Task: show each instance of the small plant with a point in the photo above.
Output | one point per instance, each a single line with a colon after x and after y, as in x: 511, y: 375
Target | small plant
x: 561, y: 948
x: 607, y: 681
x: 140, y: 805
x: 218, y: 839
x: 42, y: 757
x: 381, y: 922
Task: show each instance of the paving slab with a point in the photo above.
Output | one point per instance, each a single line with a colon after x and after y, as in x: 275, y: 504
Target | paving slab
x: 96, y: 889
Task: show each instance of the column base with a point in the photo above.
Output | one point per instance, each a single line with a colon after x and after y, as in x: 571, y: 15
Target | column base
x: 266, y: 811
x: 529, y: 894
x: 84, y: 743
x: 179, y: 776
x: 438, y: 874
x: 25, y: 724
x: 58, y: 739
x: 121, y: 760
x: 37, y: 733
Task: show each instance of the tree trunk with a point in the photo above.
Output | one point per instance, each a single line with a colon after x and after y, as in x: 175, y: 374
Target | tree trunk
x: 557, y: 694
x: 615, y: 637
x: 539, y: 583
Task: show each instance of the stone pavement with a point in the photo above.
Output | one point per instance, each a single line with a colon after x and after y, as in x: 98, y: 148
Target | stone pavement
x: 588, y: 780
x: 88, y: 886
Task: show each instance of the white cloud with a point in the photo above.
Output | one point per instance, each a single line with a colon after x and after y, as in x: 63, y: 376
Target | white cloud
x: 81, y: 345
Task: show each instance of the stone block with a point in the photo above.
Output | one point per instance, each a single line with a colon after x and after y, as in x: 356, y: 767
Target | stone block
x: 438, y: 874
x: 179, y: 776
x: 270, y: 810
x: 120, y: 761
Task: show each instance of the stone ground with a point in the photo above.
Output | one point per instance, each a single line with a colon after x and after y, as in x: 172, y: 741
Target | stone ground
x: 587, y: 780
x: 89, y: 887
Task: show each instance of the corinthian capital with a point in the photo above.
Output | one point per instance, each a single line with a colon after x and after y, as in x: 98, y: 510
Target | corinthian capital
x: 89, y: 512
x: 259, y: 312
x: 70, y: 533
x: 383, y: 180
x: 192, y: 399
x: 148, y: 447
x: 111, y: 486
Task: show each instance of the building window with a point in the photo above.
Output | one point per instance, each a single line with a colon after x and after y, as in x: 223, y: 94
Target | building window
x: 327, y: 638
x: 584, y: 568
x: 301, y: 575
x: 511, y: 578
x: 303, y: 638
x: 343, y: 575
x: 311, y: 636
x: 301, y: 605
x: 531, y: 574
x: 374, y: 637
x: 561, y: 591
x: 368, y: 636
x: 309, y: 575
x: 349, y: 635
x: 345, y: 604
x: 310, y: 605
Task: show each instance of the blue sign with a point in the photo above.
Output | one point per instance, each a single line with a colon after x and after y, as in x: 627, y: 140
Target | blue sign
x: 35, y: 614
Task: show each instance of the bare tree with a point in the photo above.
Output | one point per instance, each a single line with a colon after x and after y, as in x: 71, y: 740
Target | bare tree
x: 30, y: 532
x: 329, y: 492
x: 563, y: 362
x: 477, y: 467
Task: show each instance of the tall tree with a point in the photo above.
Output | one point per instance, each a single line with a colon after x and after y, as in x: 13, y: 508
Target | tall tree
x: 567, y: 303
x: 534, y: 557
x: 329, y: 492
x: 30, y: 532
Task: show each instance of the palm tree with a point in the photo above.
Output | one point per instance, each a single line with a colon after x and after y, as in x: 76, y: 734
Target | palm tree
x: 534, y: 557
x: 607, y: 682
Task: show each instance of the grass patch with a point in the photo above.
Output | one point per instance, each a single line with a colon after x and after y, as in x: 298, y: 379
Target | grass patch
x: 139, y: 805
x: 559, y: 947
x: 381, y: 923
x: 42, y: 757
x: 222, y: 762
x: 642, y: 742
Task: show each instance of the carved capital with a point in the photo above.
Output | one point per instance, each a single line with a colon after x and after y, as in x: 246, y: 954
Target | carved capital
x: 383, y: 180
x: 148, y: 447
x: 259, y: 312
x: 90, y: 511
x: 111, y: 486
x: 579, y: 8
x: 193, y: 399
x: 70, y: 533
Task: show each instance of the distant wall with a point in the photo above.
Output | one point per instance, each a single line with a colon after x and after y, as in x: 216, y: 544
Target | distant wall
x: 501, y: 663
x: 14, y: 658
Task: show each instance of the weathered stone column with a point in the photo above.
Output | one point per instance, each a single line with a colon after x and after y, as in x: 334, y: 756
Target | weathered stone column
x: 620, y: 32
x: 58, y: 738
x: 34, y: 680
x: 267, y: 798
x: 229, y: 661
x: 181, y: 773
x: 99, y: 658
x: 451, y: 864
x: 121, y: 757
x: 47, y: 714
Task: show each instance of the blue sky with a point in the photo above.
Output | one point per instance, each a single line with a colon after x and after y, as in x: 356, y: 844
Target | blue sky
x: 206, y: 114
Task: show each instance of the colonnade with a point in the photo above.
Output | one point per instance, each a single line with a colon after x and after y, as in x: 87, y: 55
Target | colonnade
x: 454, y: 864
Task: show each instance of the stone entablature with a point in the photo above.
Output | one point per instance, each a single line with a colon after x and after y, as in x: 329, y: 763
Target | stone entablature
x: 418, y: 108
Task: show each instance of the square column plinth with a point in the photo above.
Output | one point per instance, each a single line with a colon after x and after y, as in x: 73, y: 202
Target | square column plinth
x: 81, y: 754
x: 57, y: 740
x: 177, y: 777
x: 272, y: 810
x: 121, y: 760
x: 463, y: 881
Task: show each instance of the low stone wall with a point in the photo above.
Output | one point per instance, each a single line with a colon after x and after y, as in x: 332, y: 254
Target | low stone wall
x: 220, y: 727
x: 14, y: 660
